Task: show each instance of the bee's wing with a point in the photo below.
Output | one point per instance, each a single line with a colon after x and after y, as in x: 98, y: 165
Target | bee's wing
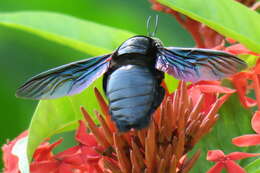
x: 194, y: 64
x: 65, y: 80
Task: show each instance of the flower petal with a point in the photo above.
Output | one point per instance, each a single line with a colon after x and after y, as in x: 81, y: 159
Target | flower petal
x: 90, y: 155
x: 249, y: 102
x: 68, y: 152
x: 68, y: 168
x: 44, y: 151
x: 44, y: 166
x: 215, y: 155
x: 257, y: 67
x: 232, y: 167
x: 210, y: 89
x: 217, y: 168
x: 75, y: 159
x: 83, y: 137
x: 239, y: 49
x: 195, y: 92
x: 71, y: 155
x: 215, y: 89
x: 256, y: 85
x: 241, y: 84
x: 241, y: 155
x: 256, y: 122
x: 10, y: 160
x: 246, y: 140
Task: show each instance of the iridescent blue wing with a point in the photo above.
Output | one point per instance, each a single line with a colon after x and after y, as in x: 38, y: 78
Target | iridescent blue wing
x: 65, y: 80
x: 194, y: 64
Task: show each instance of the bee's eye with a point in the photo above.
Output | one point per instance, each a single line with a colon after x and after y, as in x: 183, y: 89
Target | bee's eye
x: 157, y: 42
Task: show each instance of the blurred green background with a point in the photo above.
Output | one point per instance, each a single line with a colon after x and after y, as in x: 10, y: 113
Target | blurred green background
x: 23, y: 54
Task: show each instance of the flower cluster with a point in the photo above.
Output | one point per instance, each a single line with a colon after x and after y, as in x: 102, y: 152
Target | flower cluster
x: 227, y: 161
x: 177, y: 125
x: 244, y: 82
x: 253, y: 139
x: 82, y: 158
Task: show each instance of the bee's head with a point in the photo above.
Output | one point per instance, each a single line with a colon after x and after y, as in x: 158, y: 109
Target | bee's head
x: 136, y: 45
x: 140, y: 44
x: 139, y: 49
x: 157, y: 42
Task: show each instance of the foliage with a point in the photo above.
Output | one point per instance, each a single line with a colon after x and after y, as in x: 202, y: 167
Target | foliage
x: 55, y: 116
x: 227, y: 17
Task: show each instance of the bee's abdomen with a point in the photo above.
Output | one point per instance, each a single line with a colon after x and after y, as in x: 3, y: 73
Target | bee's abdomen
x: 133, y: 93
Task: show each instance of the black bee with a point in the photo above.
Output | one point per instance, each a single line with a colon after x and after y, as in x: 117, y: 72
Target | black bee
x: 132, y: 76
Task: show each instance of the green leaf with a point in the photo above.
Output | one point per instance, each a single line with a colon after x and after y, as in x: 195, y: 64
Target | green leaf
x: 249, y: 59
x: 253, y: 167
x: 172, y: 83
x: 85, y: 36
x: 233, y: 121
x: 19, y: 150
x: 227, y: 17
x: 59, y: 115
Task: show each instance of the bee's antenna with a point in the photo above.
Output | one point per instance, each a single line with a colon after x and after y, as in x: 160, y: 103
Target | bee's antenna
x: 156, y: 25
x: 148, y: 26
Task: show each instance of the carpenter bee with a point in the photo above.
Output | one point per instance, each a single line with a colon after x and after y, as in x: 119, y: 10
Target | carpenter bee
x: 132, y: 76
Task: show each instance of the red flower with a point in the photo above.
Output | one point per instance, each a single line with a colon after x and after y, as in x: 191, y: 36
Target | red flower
x: 253, y: 139
x: 10, y: 160
x: 241, y: 80
x: 210, y: 89
x: 183, y: 118
x: 82, y: 157
x: 227, y: 161
x: 79, y: 159
x: 241, y: 83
